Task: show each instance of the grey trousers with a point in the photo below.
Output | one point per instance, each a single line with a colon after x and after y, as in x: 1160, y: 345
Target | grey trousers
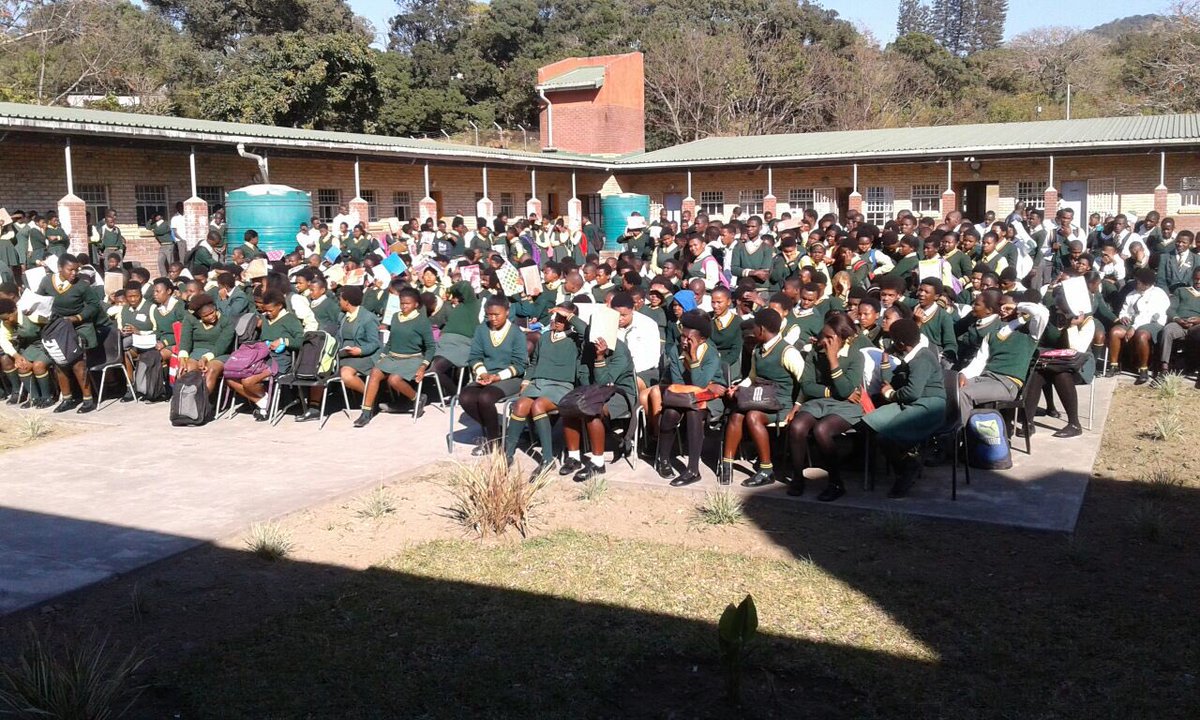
x: 166, y: 256
x: 1172, y: 333
x: 988, y: 387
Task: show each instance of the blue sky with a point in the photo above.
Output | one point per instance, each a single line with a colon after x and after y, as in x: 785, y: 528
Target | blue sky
x: 879, y: 16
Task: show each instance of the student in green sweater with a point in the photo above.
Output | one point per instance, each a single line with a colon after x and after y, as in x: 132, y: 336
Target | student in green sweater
x: 996, y: 351
x: 604, y: 366
x: 109, y: 237
x: 36, y: 237
x: 281, y: 331
x: 454, y: 346
x: 934, y: 321
x: 727, y: 331
x: 552, y: 373
x: 167, y: 254
x: 75, y: 302
x: 752, y: 257
x: 786, y: 264
x: 405, y: 358
x: 22, y: 358
x: 497, y: 362
x: 1183, y: 324
x: 168, y: 310
x: 206, y: 340
x: 696, y: 363
x: 57, y: 241
x: 326, y: 307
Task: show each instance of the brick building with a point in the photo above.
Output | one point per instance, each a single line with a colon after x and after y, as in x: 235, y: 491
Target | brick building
x: 77, y: 160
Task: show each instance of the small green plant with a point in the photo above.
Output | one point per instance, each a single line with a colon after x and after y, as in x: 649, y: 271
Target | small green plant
x: 269, y: 541
x: 84, y: 680
x: 1168, y: 386
x: 737, y: 628
x: 1150, y: 521
x: 1168, y: 425
x: 893, y: 525
x: 720, y: 508
x: 34, y: 427
x: 593, y: 490
x: 376, y: 505
x: 1160, y: 480
x: 491, y: 496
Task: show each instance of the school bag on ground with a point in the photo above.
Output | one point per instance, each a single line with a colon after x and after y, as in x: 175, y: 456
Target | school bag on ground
x: 148, y: 377
x: 250, y: 359
x: 190, y: 405
x: 318, y: 353
x: 987, y: 441
x: 61, y: 342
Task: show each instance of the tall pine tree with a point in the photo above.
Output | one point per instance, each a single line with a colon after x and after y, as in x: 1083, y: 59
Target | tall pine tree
x: 964, y: 27
x: 915, y: 16
x: 990, y: 17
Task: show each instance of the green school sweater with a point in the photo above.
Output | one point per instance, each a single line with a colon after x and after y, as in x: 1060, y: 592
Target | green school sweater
x: 21, y: 240
x: 727, y: 336
x: 252, y: 252
x: 819, y: 381
x: 216, y: 339
x: 202, y: 259
x: 410, y: 336
x: 912, y: 381
x: 375, y: 301
x: 165, y: 319
x: 238, y: 303
x: 704, y: 371
x: 659, y: 316
x: 810, y: 323
x: 285, y: 326
x: 327, y: 312
x: 769, y: 366
x: 960, y: 264
x: 555, y: 359
x: 77, y: 299
x: 781, y: 270
x: 614, y: 368
x: 359, y: 248
x: 1008, y: 355
x: 760, y: 259
x: 940, y: 330
x: 1185, y: 303
x: 462, y: 319
x: 507, y: 352
x: 162, y: 232
x: 111, y: 238
x: 37, y: 244
x: 140, y: 317
x: 57, y: 241
x: 906, y: 266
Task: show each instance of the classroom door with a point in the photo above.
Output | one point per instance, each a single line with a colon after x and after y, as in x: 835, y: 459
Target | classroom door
x: 1074, y: 196
x: 437, y: 198
x: 973, y: 199
x: 673, y: 204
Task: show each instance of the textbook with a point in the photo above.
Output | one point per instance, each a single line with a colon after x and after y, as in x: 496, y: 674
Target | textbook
x: 113, y: 281
x: 510, y: 280
x: 355, y: 277
x: 470, y: 273
x: 604, y: 324
x: 332, y: 255
x: 1075, y: 292
x: 394, y: 264
x: 531, y: 278
x: 34, y: 276
x: 381, y: 275
x: 34, y: 305
x: 274, y: 255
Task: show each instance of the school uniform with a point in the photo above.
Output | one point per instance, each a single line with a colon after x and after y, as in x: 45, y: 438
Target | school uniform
x: 825, y: 390
x: 960, y: 265
x: 536, y: 308
x: 706, y: 370
x: 803, y: 326
x: 999, y: 353
x: 286, y: 326
x: 327, y: 312
x: 75, y: 299
x: 214, y: 342
x: 938, y: 326
x: 166, y: 244
x: 461, y: 326
x: 727, y: 336
x: 359, y: 248
x: 781, y: 270
x: 917, y: 400
x: 554, y: 367
x: 1008, y: 251
x: 141, y: 320
x: 203, y: 258
x: 165, y: 317
x: 906, y: 266
x: 1185, y: 304
x: 409, y: 347
x: 375, y: 301
x: 28, y: 341
x: 37, y: 245
x: 995, y: 261
x: 1175, y: 269
x: 781, y: 364
x: 21, y: 241
x: 238, y: 303
x: 600, y: 291
x: 110, y: 240
x: 57, y: 241
x: 1146, y: 311
x: 751, y: 257
x: 499, y: 352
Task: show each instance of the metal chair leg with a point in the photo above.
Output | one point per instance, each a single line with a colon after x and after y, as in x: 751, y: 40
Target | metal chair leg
x: 129, y: 383
x: 450, y: 435
x: 417, y: 401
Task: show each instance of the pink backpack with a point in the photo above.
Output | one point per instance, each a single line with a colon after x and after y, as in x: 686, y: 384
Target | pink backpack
x: 253, y: 358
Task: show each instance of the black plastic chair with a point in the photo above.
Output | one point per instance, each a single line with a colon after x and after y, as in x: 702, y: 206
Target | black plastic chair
x: 1017, y: 405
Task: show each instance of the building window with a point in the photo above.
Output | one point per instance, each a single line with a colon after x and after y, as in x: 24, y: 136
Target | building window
x: 801, y: 199
x: 96, y: 199
x: 712, y: 202
x: 1032, y: 193
x: 214, y: 195
x: 372, y: 198
x: 591, y: 209
x: 1102, y: 196
x: 878, y: 206
x: 751, y: 202
x: 402, y: 204
x: 927, y: 200
x: 328, y: 202
x: 506, y: 204
x: 1189, y: 191
x: 148, y: 201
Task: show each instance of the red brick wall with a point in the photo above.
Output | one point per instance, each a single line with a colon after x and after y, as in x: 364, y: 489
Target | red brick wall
x: 608, y: 121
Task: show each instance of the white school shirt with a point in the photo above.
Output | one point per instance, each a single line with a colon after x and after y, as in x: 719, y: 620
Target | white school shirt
x: 1148, y: 307
x: 642, y: 338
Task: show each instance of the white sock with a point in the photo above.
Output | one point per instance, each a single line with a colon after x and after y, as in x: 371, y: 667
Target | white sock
x: 597, y: 460
x: 261, y: 403
x: 573, y: 454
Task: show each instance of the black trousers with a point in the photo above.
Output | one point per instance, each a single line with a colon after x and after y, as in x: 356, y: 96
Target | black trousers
x: 479, y: 401
x: 669, y: 421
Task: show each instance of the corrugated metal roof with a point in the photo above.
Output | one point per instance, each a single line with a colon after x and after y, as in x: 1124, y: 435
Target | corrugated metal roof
x: 581, y: 78
x: 993, y: 138
x: 103, y: 122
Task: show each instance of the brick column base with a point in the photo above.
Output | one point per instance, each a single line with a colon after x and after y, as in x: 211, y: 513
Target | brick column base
x: 195, y: 221
x: 770, y: 205
x: 533, y: 206
x: 856, y: 202
x: 688, y: 207
x: 949, y: 200
x: 72, y: 213
x: 427, y: 208
x: 484, y: 209
x: 1160, y: 200
x: 1051, y: 203
x: 574, y: 214
x: 358, y: 208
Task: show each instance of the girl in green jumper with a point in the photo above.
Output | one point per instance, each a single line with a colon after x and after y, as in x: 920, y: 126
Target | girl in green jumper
x: 404, y: 359
x: 497, y: 361
x: 75, y: 302
x: 206, y: 340
x: 281, y: 331
x: 454, y: 346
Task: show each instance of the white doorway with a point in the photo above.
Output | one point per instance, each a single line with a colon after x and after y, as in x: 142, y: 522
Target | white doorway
x: 1074, y: 196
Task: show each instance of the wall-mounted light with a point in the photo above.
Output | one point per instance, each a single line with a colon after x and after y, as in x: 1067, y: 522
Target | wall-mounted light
x: 975, y: 165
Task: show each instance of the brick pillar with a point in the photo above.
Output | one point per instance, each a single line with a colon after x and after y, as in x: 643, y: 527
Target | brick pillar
x: 574, y: 214
x: 856, y: 202
x: 1051, y: 205
x: 358, y: 208
x: 688, y: 207
x: 770, y: 205
x: 484, y: 209
x: 427, y: 208
x: 1160, y: 200
x: 195, y: 221
x: 949, y: 200
x: 72, y: 212
x: 533, y: 206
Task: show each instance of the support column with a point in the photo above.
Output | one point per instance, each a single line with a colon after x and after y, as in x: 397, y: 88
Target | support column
x: 72, y: 211
x: 358, y: 207
x: 770, y: 202
x: 427, y: 208
x: 1160, y: 192
x: 688, y: 206
x: 949, y: 200
x: 574, y: 208
x: 484, y: 207
x: 533, y: 206
x: 195, y: 211
x: 1051, y: 203
x: 855, y: 201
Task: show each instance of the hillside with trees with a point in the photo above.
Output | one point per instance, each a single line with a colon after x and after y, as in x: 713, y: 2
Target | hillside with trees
x: 721, y: 68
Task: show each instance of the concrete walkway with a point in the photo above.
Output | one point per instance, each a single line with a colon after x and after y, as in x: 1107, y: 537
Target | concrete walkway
x: 134, y: 490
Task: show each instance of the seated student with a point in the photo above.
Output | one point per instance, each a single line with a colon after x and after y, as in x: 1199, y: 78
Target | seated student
x: 359, y: 245
x: 600, y: 365
x: 727, y: 331
x: 996, y: 350
x: 774, y: 361
x: 497, y: 361
x: 1175, y: 266
x: 204, y: 256
x: 695, y: 362
x: 231, y: 298
x: 281, y: 331
x: 168, y: 310
x: 1062, y: 331
x: 914, y: 398
x: 992, y: 257
x: 960, y: 264
x: 537, y: 307
x: 832, y: 386
x: 454, y: 344
x: 249, y: 246
x: 867, y: 317
x: 402, y: 362
x: 805, y: 321
x: 1140, y: 322
x: 934, y: 321
x: 1183, y: 317
x: 552, y: 373
x: 786, y: 264
x: 206, y: 340
x: 325, y: 306
x: 297, y: 304
x: 604, y: 282
x: 135, y: 322
x: 23, y: 360
x: 910, y: 258
x: 74, y: 302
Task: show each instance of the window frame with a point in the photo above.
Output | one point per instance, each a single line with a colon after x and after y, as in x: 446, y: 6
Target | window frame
x: 879, y: 204
x: 402, y: 204
x: 712, y: 202
x: 1032, y: 193
x: 922, y: 194
x: 144, y: 210
x: 327, y: 210
x: 97, y: 209
x: 751, y: 202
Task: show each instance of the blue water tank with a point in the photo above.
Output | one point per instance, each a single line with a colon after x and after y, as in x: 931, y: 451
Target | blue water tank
x: 616, y: 209
x: 275, y: 211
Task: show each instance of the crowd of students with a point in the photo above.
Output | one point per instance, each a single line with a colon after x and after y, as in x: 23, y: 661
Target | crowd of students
x: 799, y: 326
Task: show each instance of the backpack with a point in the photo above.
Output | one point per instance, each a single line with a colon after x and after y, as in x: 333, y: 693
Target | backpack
x: 253, y: 358
x: 190, y: 405
x: 987, y: 441
x: 245, y: 328
x: 148, y: 377
x: 61, y: 342
x: 318, y: 353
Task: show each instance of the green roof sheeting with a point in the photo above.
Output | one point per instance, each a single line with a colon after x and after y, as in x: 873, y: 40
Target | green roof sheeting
x: 581, y: 78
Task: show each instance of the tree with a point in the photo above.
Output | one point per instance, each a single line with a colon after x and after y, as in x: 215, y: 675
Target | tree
x: 988, y: 30
x: 221, y: 24
x: 914, y: 17
x: 1162, y: 69
x: 968, y: 26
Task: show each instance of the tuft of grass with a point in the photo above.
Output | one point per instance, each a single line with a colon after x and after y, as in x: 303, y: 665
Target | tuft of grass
x: 719, y: 508
x: 1168, y: 426
x: 1160, y: 480
x: 34, y: 427
x: 83, y: 680
x: 491, y: 496
x: 1150, y: 521
x: 1168, y: 386
x: 138, y: 602
x: 376, y: 505
x: 269, y: 541
x: 593, y: 490
x: 893, y: 525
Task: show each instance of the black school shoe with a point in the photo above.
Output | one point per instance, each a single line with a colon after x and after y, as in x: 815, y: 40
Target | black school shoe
x: 589, y: 471
x: 14, y: 398
x: 309, y: 415
x: 364, y: 418
x: 664, y: 469
x: 687, y: 477
x: 1069, y: 431
x: 261, y: 415
x: 1143, y: 377
x: 759, y: 479
x: 67, y: 405
x: 569, y: 466
x: 796, y: 487
x: 88, y: 405
x: 540, y: 470
x: 832, y: 491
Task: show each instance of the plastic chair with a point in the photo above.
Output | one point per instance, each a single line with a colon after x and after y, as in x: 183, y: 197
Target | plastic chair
x: 952, y: 428
x: 114, y: 358
x: 290, y: 380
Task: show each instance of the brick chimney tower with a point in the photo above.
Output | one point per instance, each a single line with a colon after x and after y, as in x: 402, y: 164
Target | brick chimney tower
x: 593, y: 105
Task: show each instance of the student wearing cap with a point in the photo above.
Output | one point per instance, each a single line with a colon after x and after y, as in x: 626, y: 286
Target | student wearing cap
x: 403, y: 360
x: 497, y: 360
x: 695, y: 362
x: 205, y: 340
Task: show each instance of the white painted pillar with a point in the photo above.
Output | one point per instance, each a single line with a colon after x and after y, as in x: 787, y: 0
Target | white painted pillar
x: 1051, y: 171
x: 1162, y: 168
x: 427, y: 180
x: 949, y: 175
x: 854, y: 184
x: 689, y: 183
x: 770, y: 181
x: 357, y: 180
x: 192, y: 169
x: 485, y: 183
x: 70, y: 173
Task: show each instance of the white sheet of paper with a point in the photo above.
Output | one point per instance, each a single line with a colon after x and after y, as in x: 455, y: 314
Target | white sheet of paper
x: 38, y: 306
x: 34, y: 277
x: 1075, y: 291
x: 604, y: 323
x: 51, y: 263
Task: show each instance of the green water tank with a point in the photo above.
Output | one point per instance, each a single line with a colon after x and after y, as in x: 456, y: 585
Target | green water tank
x: 275, y: 211
x: 616, y: 209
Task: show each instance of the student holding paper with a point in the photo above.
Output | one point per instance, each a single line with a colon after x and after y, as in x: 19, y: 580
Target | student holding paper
x: 497, y: 360
x: 24, y: 363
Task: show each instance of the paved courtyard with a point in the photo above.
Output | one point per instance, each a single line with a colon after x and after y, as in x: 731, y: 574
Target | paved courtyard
x: 134, y: 490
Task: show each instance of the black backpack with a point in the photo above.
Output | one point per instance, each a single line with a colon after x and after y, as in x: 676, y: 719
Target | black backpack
x: 190, y: 405
x: 317, y: 356
x: 61, y: 342
x: 148, y: 377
